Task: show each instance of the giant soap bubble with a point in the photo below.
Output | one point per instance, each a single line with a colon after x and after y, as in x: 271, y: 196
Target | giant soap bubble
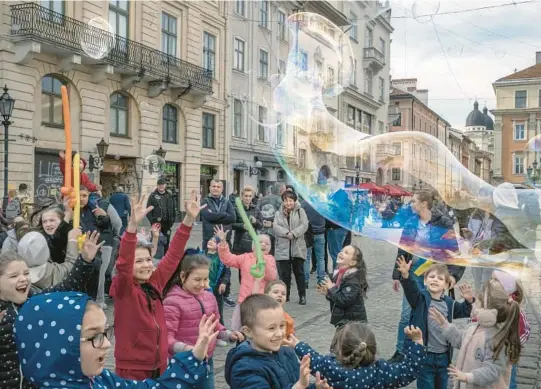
x: 472, y: 223
x: 97, y: 38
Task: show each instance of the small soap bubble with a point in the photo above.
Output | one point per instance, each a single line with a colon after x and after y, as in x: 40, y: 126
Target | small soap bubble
x: 98, y: 38
x: 424, y: 10
x: 154, y: 166
x: 455, y: 50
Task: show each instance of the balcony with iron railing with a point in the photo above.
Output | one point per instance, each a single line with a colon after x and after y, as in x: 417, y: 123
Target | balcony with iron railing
x: 373, y: 59
x: 36, y: 29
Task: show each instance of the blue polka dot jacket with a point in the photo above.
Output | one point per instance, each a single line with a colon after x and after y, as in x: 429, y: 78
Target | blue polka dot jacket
x: 48, y: 336
x: 10, y: 375
x: 379, y: 375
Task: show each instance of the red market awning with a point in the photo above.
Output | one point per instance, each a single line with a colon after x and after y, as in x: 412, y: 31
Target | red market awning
x: 404, y: 191
x: 371, y: 187
x: 393, y: 191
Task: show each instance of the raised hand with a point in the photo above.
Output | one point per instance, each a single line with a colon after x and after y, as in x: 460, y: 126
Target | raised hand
x: 403, y: 267
x: 322, y: 383
x: 156, y: 227
x: 236, y: 336
x: 414, y: 333
x: 304, y: 376
x: 138, y: 213
x: 220, y: 233
x: 438, y: 317
x: 466, y: 292
x: 456, y: 375
x: 74, y: 234
x: 91, y: 246
x: 192, y: 206
x: 291, y: 341
x: 207, y: 334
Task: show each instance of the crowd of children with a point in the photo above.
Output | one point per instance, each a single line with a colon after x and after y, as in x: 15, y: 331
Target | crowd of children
x: 169, y: 320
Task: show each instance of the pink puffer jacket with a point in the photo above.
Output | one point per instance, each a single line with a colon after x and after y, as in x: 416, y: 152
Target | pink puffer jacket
x: 183, y: 312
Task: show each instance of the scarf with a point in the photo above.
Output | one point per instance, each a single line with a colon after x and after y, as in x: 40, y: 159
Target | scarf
x: 340, y: 275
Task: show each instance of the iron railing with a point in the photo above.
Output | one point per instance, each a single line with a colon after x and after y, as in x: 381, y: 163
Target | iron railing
x: 372, y: 52
x: 43, y: 25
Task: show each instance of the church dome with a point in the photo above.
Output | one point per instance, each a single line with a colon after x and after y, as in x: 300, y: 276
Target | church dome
x: 475, y: 118
x: 489, y: 123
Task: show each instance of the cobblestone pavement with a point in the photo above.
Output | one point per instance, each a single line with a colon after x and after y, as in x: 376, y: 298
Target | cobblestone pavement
x: 383, y: 309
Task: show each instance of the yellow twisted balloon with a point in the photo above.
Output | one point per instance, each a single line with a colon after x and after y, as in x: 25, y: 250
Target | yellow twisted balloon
x: 77, y: 207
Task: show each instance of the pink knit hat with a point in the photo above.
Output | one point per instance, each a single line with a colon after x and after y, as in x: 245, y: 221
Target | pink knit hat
x: 508, y: 282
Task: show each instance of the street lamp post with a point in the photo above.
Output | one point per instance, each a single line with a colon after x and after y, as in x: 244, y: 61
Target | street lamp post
x: 357, y: 174
x: 6, y: 109
x: 534, y: 173
x: 160, y: 152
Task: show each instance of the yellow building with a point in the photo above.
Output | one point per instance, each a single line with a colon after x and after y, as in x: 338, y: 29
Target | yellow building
x: 141, y: 75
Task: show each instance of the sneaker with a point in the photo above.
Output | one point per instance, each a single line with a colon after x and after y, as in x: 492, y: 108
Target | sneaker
x: 313, y: 270
x: 397, y: 357
x: 221, y: 343
x: 229, y: 302
x: 302, y: 301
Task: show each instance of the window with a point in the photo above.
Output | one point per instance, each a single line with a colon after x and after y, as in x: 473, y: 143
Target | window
x: 395, y: 174
x: 330, y: 77
x: 57, y: 6
x: 397, y: 148
x: 381, y: 89
x: 353, y: 29
x: 303, y: 60
x: 319, y: 72
x: 539, y: 102
x: 282, y: 67
x: 368, y: 34
x: 119, y: 17
x: 382, y: 47
x: 209, y: 128
x: 51, y: 101
x: 353, y: 78
x: 282, y: 25
x: 351, y: 116
x: 262, y: 118
x: 368, y: 82
x: 520, y: 99
x: 238, y: 61
x: 263, y: 64
x: 240, y: 7
x: 238, y: 119
x: 170, y: 123
x: 520, y: 131
x: 118, y: 113
x: 380, y: 127
x: 169, y: 34
x: 302, y: 158
x: 209, y: 52
x: 264, y: 14
x: 280, y: 135
x: 518, y: 164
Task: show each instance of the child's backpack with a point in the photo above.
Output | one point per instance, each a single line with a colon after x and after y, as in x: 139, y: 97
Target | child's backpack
x: 13, y: 209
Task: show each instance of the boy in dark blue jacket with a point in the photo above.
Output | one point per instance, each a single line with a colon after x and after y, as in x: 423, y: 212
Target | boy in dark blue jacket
x: 261, y: 362
x: 439, y: 353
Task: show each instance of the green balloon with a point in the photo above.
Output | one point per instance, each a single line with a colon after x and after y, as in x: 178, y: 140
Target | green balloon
x: 257, y: 270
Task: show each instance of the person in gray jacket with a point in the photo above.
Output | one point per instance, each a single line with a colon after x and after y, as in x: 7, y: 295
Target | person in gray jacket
x: 290, y: 224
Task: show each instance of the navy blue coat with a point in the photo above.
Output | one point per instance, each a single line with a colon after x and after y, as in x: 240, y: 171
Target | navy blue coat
x: 218, y: 211
x: 246, y: 368
x: 420, y: 300
x: 121, y: 202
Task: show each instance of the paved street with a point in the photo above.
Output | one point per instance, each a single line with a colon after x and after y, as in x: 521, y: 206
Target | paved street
x: 383, y: 309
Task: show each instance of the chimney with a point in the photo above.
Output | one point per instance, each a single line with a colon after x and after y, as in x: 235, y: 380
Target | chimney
x: 537, y: 57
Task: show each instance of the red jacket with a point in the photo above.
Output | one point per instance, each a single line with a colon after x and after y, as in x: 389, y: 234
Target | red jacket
x: 85, y: 180
x: 140, y: 333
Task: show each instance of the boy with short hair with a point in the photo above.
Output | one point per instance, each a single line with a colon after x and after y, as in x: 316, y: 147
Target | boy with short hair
x: 439, y: 353
x: 260, y: 362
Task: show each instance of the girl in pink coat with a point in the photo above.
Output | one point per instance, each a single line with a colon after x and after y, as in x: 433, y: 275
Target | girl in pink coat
x: 244, y: 263
x: 187, y: 300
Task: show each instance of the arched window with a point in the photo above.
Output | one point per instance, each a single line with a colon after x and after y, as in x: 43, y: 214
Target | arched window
x: 51, y: 101
x: 170, y: 123
x: 119, y: 114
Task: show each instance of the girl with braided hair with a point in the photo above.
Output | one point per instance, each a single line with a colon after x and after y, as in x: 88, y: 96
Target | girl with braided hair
x: 355, y: 361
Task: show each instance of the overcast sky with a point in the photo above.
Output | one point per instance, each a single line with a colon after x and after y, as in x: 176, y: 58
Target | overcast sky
x: 480, y: 46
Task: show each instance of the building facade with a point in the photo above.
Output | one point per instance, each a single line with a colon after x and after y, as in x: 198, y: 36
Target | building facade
x: 261, y: 50
x: 517, y: 122
x: 421, y: 161
x: 140, y: 75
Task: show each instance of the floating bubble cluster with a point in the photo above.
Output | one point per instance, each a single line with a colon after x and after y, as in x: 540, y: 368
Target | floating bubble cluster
x: 153, y: 166
x: 392, y: 167
x: 98, y: 38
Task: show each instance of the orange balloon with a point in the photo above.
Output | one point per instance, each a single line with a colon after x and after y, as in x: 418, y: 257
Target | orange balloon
x: 64, y: 190
x: 72, y: 203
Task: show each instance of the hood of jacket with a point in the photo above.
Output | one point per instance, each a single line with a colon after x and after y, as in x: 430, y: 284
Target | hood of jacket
x: 47, y: 332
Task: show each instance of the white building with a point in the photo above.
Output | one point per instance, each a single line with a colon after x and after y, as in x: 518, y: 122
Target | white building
x: 260, y: 48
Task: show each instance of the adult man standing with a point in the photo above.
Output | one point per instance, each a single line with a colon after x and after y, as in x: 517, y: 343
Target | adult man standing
x: 219, y: 211
x: 243, y: 240
x: 164, y: 209
x: 268, y: 207
x: 120, y: 201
